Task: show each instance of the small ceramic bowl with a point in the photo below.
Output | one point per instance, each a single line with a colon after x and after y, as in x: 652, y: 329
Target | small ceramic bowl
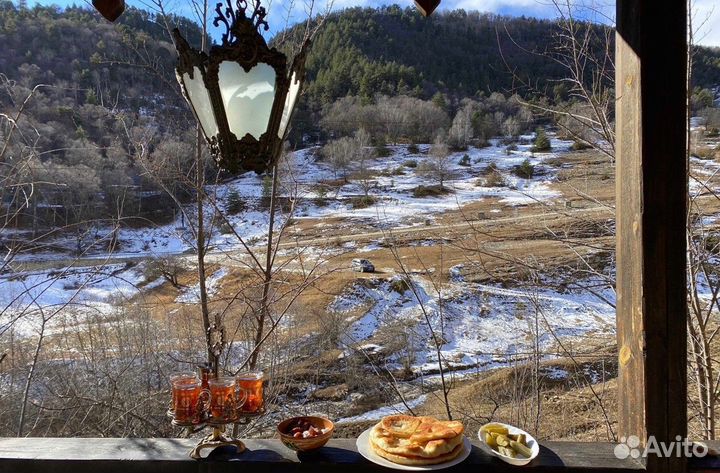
x: 518, y: 461
x: 305, y: 445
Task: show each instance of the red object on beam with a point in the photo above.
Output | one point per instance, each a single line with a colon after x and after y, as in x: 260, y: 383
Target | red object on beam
x: 426, y: 7
x: 110, y: 9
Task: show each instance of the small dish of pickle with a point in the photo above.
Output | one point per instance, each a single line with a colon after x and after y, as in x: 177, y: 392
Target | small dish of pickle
x: 509, y: 443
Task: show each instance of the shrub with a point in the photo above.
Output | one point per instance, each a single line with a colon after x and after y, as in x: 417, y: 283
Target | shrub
x: 494, y: 179
x: 399, y: 285
x: 524, y: 170
x: 321, y: 192
x: 413, y: 149
x: 398, y: 171
x: 490, y: 168
x: 410, y: 163
x: 429, y: 191
x: 542, y: 142
x: 362, y: 202
x: 464, y: 161
x: 168, y: 268
x: 705, y: 153
x: 383, y: 151
x: 579, y: 146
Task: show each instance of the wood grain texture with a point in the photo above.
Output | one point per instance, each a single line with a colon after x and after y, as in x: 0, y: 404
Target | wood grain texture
x: 651, y: 201
x: 79, y: 455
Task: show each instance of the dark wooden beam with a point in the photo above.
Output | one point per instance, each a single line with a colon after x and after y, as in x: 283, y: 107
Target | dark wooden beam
x: 651, y: 198
x: 113, y: 455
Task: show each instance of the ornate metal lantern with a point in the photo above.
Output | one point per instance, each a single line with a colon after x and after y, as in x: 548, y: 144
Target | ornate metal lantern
x: 242, y: 93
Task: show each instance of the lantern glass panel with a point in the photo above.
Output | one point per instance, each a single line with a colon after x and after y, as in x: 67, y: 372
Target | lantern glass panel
x: 247, y: 96
x: 200, y: 102
x: 290, y: 99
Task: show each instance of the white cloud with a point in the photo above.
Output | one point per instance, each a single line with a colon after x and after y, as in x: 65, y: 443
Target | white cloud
x: 497, y: 5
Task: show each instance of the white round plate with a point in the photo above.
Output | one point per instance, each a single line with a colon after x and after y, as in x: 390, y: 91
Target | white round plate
x: 364, y: 449
x: 531, y: 443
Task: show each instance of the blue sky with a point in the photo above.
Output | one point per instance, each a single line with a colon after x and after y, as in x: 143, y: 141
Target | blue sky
x: 706, y: 15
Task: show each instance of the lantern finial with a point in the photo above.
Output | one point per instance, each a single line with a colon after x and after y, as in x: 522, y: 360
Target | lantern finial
x: 233, y: 18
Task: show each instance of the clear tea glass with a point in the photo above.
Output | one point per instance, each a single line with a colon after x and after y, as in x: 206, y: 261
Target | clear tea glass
x: 225, y: 397
x: 252, y: 383
x: 186, y: 390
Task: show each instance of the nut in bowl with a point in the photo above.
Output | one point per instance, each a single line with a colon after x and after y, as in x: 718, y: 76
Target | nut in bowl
x: 509, y: 443
x: 305, y: 433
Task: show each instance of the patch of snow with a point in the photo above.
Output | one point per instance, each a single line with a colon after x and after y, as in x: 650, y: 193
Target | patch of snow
x: 27, y: 297
x: 191, y: 295
x: 381, y: 412
x: 479, y: 323
x: 553, y: 372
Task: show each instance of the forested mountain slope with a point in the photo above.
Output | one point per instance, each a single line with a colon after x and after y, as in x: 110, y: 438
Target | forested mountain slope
x: 391, y: 50
x: 109, y: 96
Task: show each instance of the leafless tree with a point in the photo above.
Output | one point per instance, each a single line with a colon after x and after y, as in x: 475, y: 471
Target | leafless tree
x: 364, y: 153
x: 340, y: 153
x: 584, y: 50
x: 461, y: 131
x: 703, y: 278
x: 438, y: 164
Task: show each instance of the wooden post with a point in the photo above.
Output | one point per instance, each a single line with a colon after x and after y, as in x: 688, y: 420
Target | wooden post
x: 651, y: 204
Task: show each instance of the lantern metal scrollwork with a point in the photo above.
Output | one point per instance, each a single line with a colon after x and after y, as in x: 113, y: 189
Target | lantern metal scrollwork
x: 243, y: 92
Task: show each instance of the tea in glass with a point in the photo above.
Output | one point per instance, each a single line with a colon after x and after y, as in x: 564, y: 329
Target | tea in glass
x: 252, y: 383
x: 186, y: 398
x: 223, y: 398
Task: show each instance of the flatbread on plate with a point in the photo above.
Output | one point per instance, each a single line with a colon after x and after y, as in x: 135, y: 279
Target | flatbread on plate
x: 401, y: 426
x: 423, y: 437
x: 417, y: 461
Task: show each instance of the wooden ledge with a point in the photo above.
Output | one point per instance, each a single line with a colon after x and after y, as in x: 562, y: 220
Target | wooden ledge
x: 127, y: 455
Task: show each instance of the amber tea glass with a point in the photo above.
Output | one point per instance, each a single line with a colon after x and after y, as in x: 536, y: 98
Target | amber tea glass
x: 225, y: 397
x: 252, y: 383
x: 186, y: 390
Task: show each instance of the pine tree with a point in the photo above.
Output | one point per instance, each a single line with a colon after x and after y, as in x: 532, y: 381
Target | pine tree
x: 235, y: 203
x: 542, y: 142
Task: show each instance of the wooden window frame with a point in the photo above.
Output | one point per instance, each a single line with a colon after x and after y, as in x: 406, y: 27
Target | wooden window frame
x: 651, y: 208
